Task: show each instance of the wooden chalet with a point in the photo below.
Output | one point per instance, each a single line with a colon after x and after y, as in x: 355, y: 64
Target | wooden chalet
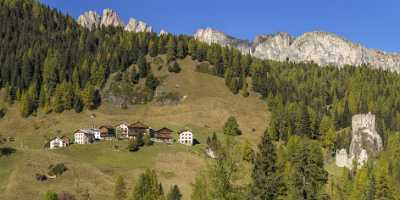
x: 107, y: 131
x: 137, y: 129
x: 163, y: 135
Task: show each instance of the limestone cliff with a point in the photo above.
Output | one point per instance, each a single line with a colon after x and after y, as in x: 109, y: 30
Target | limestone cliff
x: 319, y: 47
x: 110, y: 18
x: 89, y: 20
x: 137, y: 26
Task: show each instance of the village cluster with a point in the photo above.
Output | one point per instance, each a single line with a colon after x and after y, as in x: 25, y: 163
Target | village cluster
x: 123, y: 131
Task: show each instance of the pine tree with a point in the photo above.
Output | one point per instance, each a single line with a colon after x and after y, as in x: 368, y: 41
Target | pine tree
x: 152, y: 82
x: 305, y: 168
x: 231, y: 127
x: 180, y: 51
x: 148, y: 187
x: 199, y: 191
x: 171, y: 49
x: 144, y: 68
x: 153, y: 51
x: 174, y: 193
x: 120, y: 189
x: 384, y: 190
x: 266, y: 178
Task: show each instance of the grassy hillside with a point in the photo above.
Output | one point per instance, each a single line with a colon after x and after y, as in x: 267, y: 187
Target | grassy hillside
x: 207, y: 105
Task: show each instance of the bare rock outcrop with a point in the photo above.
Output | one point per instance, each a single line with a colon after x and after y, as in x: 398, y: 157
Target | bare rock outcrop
x: 89, y: 20
x: 365, y: 142
x: 319, y: 47
x: 137, y: 26
x: 111, y: 18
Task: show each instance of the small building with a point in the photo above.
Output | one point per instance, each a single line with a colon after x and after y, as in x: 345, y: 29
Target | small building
x: 85, y: 136
x: 59, y: 142
x: 186, y: 138
x: 106, y: 132
x: 134, y: 130
x: 164, y: 135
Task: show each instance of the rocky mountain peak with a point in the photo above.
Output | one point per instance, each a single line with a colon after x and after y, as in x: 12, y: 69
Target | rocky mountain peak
x: 209, y: 35
x: 323, y: 48
x: 110, y: 18
x: 89, y: 20
x: 163, y: 32
x: 137, y: 26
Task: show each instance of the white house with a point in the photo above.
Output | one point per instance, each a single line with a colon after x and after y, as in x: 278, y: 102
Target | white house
x: 124, y: 127
x: 59, y: 142
x: 186, y: 138
x: 84, y: 136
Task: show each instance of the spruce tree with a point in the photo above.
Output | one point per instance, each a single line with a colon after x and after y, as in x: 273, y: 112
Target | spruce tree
x: 171, y: 49
x: 231, y: 127
x: 174, y: 193
x: 266, y: 178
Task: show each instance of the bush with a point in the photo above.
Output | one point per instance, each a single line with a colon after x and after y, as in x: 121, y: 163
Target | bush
x: 174, y: 67
x: 57, y: 170
x: 133, y: 146
x: 147, y: 140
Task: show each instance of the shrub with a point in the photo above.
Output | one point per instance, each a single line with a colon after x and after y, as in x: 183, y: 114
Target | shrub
x: 57, y: 169
x: 174, y: 67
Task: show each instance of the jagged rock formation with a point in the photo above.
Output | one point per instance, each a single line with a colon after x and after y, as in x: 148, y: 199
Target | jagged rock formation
x: 110, y: 18
x: 137, y: 26
x: 89, y: 20
x: 163, y: 32
x: 210, y: 36
x: 92, y: 20
x: 319, y: 47
x: 365, y: 142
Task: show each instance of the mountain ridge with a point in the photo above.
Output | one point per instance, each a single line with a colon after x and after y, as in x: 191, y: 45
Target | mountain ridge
x: 322, y: 48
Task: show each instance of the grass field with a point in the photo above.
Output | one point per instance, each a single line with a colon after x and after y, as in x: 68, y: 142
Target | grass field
x: 207, y: 105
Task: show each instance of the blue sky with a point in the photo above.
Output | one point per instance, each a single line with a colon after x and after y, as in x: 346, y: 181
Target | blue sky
x: 374, y: 23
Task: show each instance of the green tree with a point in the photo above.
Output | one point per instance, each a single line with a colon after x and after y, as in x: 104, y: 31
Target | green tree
x: 152, y: 82
x: 171, y: 49
x: 266, y: 177
x: 144, y: 68
x: 384, y: 188
x: 231, y: 127
x: 180, y: 51
x: 50, y: 196
x: 199, y: 189
x: 305, y: 168
x: 153, y: 50
x: 148, y: 187
x: 174, y: 193
x: 89, y: 96
x: 120, y: 189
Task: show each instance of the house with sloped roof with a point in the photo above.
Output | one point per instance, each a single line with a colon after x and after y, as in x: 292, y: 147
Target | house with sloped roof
x: 164, y: 135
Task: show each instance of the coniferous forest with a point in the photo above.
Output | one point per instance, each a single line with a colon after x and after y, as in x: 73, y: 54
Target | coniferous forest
x: 48, y: 63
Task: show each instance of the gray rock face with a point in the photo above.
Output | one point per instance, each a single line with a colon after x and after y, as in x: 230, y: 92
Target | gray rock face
x: 89, y: 20
x: 319, y: 47
x: 137, y: 26
x: 163, y: 32
x: 110, y: 18
x: 210, y: 36
x: 365, y: 142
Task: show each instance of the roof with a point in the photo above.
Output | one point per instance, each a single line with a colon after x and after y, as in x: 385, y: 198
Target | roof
x: 138, y: 125
x: 165, y: 129
x: 87, y: 131
x: 106, y: 126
